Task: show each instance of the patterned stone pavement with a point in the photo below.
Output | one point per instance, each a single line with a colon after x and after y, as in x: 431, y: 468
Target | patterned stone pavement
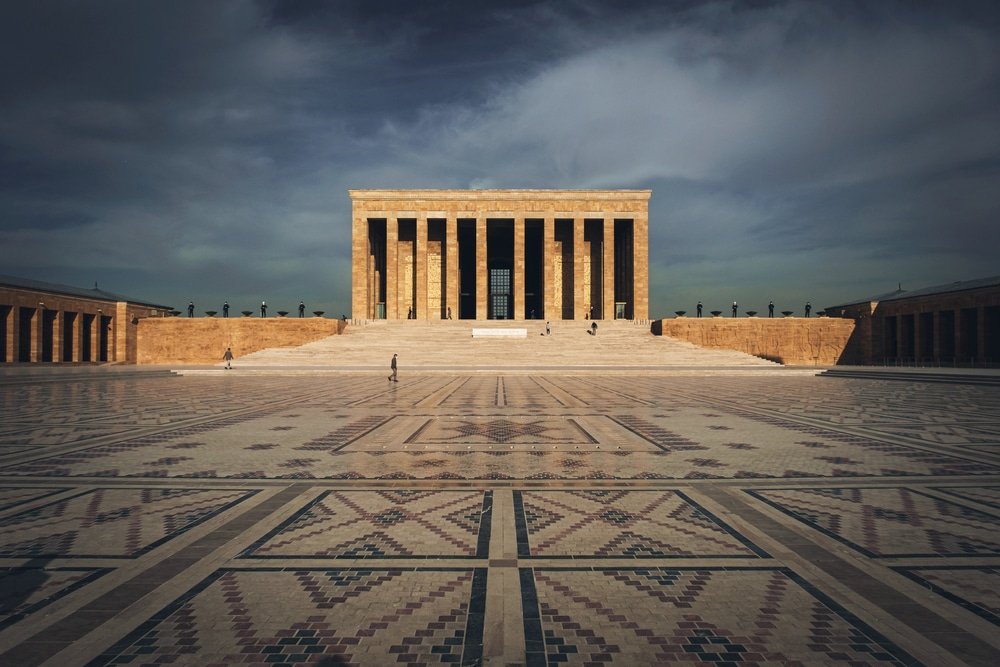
x: 498, y: 520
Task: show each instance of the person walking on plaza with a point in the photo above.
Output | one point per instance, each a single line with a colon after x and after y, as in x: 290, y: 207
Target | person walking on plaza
x: 770, y: 309
x: 449, y: 312
x: 392, y: 365
x: 191, y: 309
x: 734, y: 308
x: 593, y: 328
x: 808, y: 308
x: 263, y: 308
x: 225, y: 309
x: 228, y: 356
x: 699, y: 309
x: 547, y: 329
x: 302, y: 309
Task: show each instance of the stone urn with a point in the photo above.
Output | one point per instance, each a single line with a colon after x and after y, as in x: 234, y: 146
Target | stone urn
x: 247, y: 313
x: 175, y: 313
x: 211, y: 313
x: 787, y: 313
x: 282, y: 313
x: 751, y: 313
x: 680, y: 313
x: 716, y: 313
x: 821, y: 313
x: 318, y: 313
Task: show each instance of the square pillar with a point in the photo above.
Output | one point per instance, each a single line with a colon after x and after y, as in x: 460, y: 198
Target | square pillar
x: 519, y: 268
x: 78, y: 338
x: 37, y: 323
x: 640, y: 271
x: 608, y: 274
x: 57, y: 337
x: 95, y: 338
x: 421, y: 273
x: 579, y: 307
x: 13, y: 329
x: 391, y: 267
x: 359, y: 267
x: 548, y: 279
x: 451, y: 266
x: 481, y: 270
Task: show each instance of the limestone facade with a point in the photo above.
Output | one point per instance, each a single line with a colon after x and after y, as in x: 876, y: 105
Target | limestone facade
x: 796, y: 341
x: 47, y: 322
x: 954, y: 324
x: 500, y: 254
x: 203, y: 340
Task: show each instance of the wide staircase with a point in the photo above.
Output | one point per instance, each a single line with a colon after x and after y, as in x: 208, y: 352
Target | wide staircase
x: 449, y: 345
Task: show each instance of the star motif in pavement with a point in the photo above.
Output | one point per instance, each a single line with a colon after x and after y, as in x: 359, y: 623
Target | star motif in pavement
x: 499, y: 430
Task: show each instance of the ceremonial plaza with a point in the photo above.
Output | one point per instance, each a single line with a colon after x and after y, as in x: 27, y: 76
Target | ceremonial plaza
x: 533, y: 490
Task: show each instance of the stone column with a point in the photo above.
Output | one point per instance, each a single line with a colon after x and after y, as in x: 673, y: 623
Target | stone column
x: 36, y: 334
x: 78, y: 337
x: 57, y: 337
x: 608, y: 274
x: 451, y: 266
x: 640, y: 267
x: 548, y: 279
x: 579, y: 298
x: 391, y: 267
x: 421, y: 273
x: 13, y: 329
x: 519, y: 268
x: 95, y: 338
x: 936, y: 336
x: 359, y: 267
x: 481, y: 270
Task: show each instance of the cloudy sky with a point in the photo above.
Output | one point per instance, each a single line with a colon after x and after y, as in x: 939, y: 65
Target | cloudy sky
x: 178, y: 151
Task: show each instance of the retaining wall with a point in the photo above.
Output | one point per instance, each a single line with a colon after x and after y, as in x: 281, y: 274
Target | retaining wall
x: 815, y: 341
x: 203, y: 340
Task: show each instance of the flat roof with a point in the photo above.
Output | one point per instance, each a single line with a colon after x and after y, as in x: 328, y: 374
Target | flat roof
x: 901, y: 294
x: 69, y: 290
x: 498, y: 194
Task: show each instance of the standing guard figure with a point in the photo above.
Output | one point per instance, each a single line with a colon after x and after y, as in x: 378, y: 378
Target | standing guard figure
x: 225, y: 309
x: 770, y: 309
x: 302, y: 309
x: 263, y: 308
x: 699, y: 309
x: 191, y: 309
x: 735, y: 307
x: 808, y: 308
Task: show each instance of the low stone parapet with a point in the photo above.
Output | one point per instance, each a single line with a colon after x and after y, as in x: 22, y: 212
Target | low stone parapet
x: 814, y: 341
x: 203, y: 340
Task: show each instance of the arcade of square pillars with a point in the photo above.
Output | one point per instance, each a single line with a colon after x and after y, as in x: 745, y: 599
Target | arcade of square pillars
x: 500, y: 254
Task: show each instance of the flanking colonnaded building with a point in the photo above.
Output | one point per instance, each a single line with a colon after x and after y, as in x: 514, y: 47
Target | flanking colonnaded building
x: 500, y: 254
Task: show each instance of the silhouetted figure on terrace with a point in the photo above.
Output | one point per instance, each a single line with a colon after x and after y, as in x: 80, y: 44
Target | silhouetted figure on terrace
x: 770, y: 309
x: 735, y: 307
x: 808, y: 308
x: 699, y: 309
x: 225, y: 309
x: 302, y: 309
x: 191, y: 309
x: 263, y: 308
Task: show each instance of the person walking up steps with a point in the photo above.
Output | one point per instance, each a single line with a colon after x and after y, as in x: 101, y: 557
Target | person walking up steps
x: 392, y: 365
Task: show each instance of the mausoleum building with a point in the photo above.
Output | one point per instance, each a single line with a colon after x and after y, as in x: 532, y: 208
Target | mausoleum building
x: 500, y: 254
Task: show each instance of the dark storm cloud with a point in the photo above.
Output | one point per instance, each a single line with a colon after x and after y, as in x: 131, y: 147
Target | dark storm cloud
x: 193, y: 150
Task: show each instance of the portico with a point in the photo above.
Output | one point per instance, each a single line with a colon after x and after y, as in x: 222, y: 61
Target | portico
x: 500, y: 254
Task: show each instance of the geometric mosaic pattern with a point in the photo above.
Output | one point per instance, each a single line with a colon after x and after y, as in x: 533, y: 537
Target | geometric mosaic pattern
x: 384, y: 524
x: 110, y: 523
x: 348, y: 616
x: 699, y: 616
x: 9, y: 497
x: 621, y: 524
x: 26, y: 590
x: 974, y: 587
x: 612, y: 519
x: 883, y: 522
x: 502, y: 431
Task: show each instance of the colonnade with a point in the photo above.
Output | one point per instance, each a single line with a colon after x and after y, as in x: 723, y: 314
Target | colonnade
x: 500, y: 254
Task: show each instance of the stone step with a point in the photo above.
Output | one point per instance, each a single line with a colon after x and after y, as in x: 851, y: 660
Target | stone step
x: 449, y: 344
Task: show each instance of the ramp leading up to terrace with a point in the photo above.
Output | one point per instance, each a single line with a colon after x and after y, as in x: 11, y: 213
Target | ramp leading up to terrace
x: 450, y: 345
